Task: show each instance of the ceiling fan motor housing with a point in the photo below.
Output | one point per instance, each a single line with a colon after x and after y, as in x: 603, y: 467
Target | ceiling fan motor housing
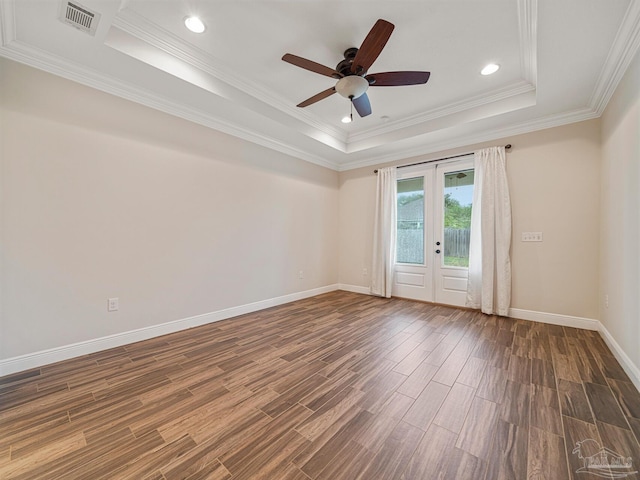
x: 344, y: 67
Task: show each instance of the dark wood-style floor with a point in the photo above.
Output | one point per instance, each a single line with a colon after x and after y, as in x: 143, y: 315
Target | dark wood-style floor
x: 340, y: 386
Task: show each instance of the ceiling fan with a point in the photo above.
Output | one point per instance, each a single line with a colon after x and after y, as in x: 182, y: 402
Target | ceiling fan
x: 351, y: 73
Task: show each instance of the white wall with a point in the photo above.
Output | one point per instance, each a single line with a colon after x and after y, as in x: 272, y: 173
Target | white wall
x: 620, y: 226
x: 554, y: 184
x: 103, y: 198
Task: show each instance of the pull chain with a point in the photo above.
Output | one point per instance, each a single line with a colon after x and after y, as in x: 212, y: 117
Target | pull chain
x: 351, y: 101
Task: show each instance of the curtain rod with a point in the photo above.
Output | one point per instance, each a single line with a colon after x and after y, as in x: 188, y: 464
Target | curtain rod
x: 506, y: 147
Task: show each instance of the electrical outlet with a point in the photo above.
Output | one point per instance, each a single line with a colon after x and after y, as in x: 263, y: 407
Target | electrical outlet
x: 113, y: 304
x: 531, y: 236
x: 301, y: 274
x: 365, y: 272
x: 606, y: 301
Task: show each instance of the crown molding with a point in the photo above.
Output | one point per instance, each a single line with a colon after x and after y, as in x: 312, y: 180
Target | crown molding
x: 152, y: 34
x: 550, y: 121
x: 528, y: 29
x: 57, y: 66
x: 139, y: 27
x: 622, y: 52
x: 71, y: 71
x: 33, y: 57
x: 518, y: 88
x: 7, y: 21
x: 624, y: 47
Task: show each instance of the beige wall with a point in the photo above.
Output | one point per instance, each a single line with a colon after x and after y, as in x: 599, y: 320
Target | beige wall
x: 553, y: 177
x: 104, y: 198
x: 101, y: 198
x: 620, y: 226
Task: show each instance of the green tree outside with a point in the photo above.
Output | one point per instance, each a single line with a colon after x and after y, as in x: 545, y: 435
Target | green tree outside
x: 456, y: 215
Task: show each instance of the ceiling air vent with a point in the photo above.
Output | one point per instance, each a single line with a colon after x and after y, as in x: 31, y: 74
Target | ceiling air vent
x: 74, y: 14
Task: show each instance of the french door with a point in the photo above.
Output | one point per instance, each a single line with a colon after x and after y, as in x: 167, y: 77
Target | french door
x: 433, y: 222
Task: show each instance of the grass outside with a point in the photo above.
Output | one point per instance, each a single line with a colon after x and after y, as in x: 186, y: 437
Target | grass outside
x: 456, y: 261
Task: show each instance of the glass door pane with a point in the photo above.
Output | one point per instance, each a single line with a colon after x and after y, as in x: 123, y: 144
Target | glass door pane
x: 458, y: 200
x: 410, y: 221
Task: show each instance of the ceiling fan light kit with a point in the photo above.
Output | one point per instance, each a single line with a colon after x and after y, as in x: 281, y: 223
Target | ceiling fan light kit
x: 352, y: 86
x: 351, y: 73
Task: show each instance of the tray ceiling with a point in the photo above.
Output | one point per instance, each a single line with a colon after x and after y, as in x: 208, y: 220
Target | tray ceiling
x: 560, y: 62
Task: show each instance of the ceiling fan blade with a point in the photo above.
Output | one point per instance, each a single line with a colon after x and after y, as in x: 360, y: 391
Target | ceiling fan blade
x: 372, y: 46
x: 362, y: 104
x: 393, y: 79
x: 317, y: 97
x: 311, y: 66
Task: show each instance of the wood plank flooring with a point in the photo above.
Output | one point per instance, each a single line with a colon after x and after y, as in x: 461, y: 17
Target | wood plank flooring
x: 339, y: 386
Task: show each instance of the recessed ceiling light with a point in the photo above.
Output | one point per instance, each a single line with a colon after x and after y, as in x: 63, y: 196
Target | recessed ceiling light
x: 194, y: 24
x: 489, y: 69
x: 346, y: 119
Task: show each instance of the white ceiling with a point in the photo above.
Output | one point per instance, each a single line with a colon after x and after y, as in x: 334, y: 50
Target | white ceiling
x: 561, y: 61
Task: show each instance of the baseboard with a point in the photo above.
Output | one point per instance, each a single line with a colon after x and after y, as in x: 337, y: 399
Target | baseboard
x: 629, y: 367
x: 555, y: 319
x: 45, y: 357
x: 354, y: 288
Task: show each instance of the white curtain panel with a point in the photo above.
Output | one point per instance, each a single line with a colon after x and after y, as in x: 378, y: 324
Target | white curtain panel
x: 489, y: 286
x: 384, y: 233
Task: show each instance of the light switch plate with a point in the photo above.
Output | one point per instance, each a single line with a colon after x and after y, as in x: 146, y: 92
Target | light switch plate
x: 531, y: 236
